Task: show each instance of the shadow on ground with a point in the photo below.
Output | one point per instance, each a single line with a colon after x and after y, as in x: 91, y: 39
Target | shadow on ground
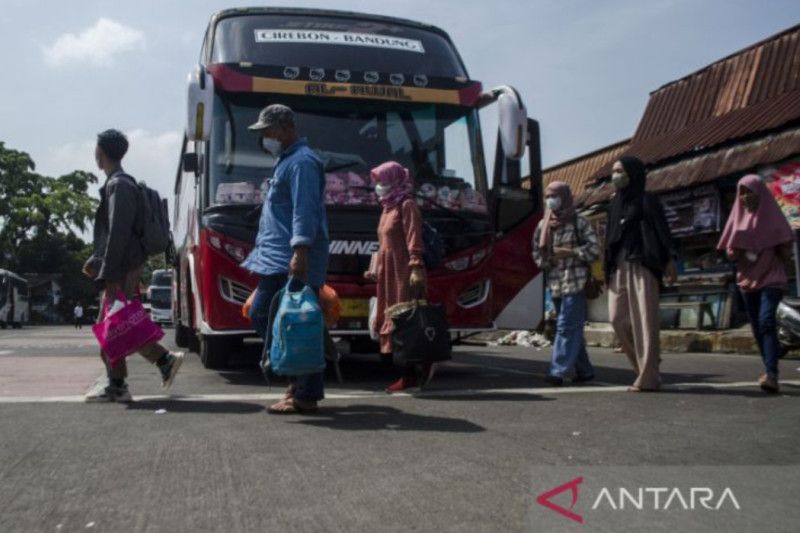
x: 196, y: 406
x: 374, y: 417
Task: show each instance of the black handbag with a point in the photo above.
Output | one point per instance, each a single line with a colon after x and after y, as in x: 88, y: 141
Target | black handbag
x: 421, y: 335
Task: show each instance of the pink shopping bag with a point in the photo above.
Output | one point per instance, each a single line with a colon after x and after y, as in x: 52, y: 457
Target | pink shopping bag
x: 125, y: 331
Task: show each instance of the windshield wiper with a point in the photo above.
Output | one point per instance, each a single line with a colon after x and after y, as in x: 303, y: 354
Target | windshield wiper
x: 342, y: 167
x: 219, y: 208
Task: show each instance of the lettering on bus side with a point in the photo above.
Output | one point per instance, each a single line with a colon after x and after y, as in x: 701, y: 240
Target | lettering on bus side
x: 353, y: 247
x: 323, y: 89
x: 379, y: 91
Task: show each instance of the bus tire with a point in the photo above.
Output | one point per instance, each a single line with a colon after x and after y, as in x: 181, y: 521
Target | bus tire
x: 214, y: 351
x: 181, y: 335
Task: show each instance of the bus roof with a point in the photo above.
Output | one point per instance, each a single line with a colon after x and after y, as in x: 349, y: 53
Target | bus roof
x: 440, y: 79
x: 334, y: 13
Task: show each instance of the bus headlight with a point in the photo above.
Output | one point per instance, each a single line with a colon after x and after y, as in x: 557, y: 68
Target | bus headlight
x: 459, y: 264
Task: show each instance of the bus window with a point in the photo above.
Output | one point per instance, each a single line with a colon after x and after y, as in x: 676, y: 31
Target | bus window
x: 457, y: 156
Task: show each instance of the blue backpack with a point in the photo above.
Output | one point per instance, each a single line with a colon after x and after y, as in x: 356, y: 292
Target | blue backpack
x: 297, y: 334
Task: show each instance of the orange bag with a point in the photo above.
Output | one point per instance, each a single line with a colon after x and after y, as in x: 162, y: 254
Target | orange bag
x: 331, y: 305
x: 248, y: 304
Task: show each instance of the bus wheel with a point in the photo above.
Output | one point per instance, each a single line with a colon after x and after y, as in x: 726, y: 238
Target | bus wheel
x: 214, y: 352
x: 181, y: 335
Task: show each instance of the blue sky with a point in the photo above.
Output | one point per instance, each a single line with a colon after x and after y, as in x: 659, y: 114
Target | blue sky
x: 584, y: 68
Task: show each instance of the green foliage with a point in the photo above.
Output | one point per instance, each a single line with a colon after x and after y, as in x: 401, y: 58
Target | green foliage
x: 40, y: 221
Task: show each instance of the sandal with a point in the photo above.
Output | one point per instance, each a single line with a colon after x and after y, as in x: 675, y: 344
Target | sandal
x: 291, y: 407
x: 289, y: 392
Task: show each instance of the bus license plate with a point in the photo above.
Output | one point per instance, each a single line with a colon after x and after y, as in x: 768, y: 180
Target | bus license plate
x: 355, y: 308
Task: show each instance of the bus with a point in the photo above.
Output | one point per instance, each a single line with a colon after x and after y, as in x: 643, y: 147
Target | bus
x: 14, y: 300
x: 365, y: 89
x: 159, y: 295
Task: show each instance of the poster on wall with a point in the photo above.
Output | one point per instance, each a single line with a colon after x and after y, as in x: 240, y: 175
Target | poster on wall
x: 693, y: 211
x: 784, y: 182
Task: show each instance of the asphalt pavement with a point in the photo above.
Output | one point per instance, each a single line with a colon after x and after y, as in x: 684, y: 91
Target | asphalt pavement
x: 460, y: 456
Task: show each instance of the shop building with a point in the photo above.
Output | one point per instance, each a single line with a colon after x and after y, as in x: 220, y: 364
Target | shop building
x: 698, y: 135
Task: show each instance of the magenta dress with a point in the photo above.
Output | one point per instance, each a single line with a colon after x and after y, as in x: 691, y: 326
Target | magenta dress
x: 401, y: 248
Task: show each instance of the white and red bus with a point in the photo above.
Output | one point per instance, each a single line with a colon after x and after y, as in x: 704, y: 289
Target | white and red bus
x: 365, y: 89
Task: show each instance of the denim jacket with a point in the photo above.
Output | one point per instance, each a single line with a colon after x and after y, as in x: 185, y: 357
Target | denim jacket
x: 293, y: 215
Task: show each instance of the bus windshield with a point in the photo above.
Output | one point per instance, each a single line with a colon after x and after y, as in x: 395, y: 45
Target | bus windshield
x: 161, y: 298
x: 439, y: 144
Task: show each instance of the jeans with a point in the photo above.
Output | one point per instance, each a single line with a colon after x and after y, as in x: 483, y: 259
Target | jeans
x: 569, y: 347
x: 761, y: 307
x: 309, y: 388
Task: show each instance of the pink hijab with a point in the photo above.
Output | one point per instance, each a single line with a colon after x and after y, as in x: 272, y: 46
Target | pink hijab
x: 398, y: 177
x: 555, y: 219
x: 764, y: 229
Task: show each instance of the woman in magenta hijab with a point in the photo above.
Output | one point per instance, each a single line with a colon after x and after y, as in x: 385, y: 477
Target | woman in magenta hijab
x: 400, y: 271
x: 758, y: 239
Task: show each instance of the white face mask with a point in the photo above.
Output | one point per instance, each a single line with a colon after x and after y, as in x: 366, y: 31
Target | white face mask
x: 271, y: 145
x: 553, y: 204
x: 620, y: 180
x: 382, y: 190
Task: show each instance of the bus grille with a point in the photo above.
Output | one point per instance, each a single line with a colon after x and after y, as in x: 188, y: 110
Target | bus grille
x: 233, y: 292
x: 475, y: 295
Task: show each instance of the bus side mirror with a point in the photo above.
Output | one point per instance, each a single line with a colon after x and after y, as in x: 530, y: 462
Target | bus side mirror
x: 200, y: 100
x: 512, y: 119
x: 190, y: 162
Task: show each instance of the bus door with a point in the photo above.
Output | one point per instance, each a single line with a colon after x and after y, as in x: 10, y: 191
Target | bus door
x: 516, y: 207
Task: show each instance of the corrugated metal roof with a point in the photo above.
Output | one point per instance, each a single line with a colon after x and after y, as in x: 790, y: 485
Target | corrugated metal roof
x: 751, y: 91
x: 740, y: 158
x: 577, y: 172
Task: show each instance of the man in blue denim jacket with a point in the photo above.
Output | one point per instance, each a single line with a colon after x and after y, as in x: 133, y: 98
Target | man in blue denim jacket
x: 292, y: 236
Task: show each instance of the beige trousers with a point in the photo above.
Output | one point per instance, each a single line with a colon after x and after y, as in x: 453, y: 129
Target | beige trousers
x: 633, y: 295
x: 151, y: 352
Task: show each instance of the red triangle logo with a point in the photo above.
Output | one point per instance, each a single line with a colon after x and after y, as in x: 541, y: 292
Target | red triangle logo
x: 572, y: 486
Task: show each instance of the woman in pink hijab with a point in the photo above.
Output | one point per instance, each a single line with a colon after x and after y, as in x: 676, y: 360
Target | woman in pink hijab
x: 400, y: 270
x: 758, y: 239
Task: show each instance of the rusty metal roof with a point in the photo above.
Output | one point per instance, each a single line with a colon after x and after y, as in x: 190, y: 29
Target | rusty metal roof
x: 752, y: 91
x: 726, y: 161
x: 740, y: 98
x: 577, y: 173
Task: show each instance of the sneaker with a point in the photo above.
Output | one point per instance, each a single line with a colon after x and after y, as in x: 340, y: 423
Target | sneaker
x: 583, y: 379
x: 170, y: 370
x: 109, y: 394
x: 769, y: 384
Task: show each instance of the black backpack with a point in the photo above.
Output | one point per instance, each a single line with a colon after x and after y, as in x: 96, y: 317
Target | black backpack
x: 433, y: 244
x: 152, y: 220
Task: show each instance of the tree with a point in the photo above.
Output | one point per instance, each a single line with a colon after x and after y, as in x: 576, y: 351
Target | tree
x: 40, y: 218
x: 33, y: 205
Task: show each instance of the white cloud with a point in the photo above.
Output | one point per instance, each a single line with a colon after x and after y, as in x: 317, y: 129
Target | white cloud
x: 96, y: 45
x: 152, y: 157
